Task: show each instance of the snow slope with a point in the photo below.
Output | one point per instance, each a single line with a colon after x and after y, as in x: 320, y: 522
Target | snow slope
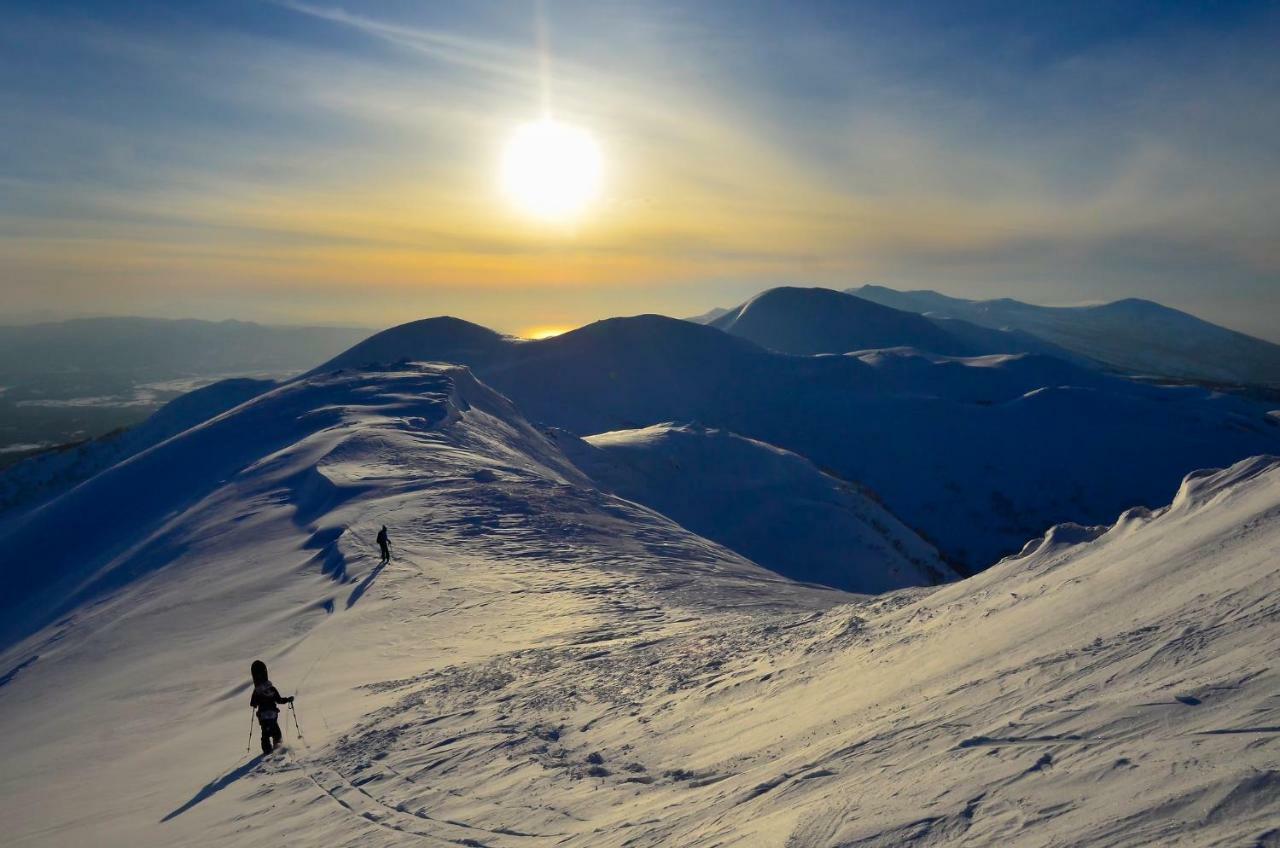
x: 976, y: 453
x: 134, y: 601
x: 1134, y: 335
x: 543, y: 663
x: 1116, y: 692
x: 770, y: 505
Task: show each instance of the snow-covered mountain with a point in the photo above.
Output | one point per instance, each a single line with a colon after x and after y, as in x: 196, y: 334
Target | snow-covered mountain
x: 546, y: 663
x: 977, y: 453
x: 816, y: 320
x: 768, y: 504
x: 798, y: 320
x: 1132, y: 335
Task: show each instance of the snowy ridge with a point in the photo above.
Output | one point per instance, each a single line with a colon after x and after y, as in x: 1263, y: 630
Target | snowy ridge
x: 251, y: 535
x: 276, y: 436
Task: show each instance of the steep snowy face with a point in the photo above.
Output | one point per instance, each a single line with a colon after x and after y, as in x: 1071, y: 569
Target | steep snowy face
x: 768, y: 504
x: 1133, y: 335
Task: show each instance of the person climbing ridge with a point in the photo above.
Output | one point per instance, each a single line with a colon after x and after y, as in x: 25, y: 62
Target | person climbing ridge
x: 265, y: 698
x: 385, y: 544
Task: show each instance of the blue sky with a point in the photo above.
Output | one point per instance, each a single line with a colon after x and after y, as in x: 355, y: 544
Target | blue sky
x: 314, y: 161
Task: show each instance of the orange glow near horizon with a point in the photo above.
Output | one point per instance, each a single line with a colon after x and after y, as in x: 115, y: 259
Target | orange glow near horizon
x: 543, y: 332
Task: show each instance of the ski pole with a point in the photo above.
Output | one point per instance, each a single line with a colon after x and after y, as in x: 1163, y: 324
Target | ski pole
x: 249, y: 745
x: 294, y: 712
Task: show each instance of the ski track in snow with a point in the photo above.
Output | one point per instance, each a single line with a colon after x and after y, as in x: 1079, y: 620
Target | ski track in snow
x: 542, y: 663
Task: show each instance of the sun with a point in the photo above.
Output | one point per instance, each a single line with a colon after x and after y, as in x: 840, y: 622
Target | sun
x: 551, y: 170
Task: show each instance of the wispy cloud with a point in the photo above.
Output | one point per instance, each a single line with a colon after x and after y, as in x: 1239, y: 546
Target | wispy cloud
x: 291, y: 159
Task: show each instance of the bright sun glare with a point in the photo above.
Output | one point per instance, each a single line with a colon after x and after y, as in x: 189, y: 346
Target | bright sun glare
x: 538, y: 333
x: 551, y: 170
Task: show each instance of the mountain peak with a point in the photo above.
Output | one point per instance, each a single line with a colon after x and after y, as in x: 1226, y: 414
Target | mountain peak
x: 440, y: 339
x: 807, y: 321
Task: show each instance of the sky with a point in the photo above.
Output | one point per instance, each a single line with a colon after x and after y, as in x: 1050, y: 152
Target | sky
x: 306, y: 161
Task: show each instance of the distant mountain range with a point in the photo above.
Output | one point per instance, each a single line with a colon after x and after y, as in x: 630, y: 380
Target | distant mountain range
x: 1137, y: 337
x: 72, y: 380
x: 1133, y: 335
x: 816, y: 320
x: 158, y: 349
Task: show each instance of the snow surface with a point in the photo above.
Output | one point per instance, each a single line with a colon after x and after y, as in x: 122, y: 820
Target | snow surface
x: 543, y: 663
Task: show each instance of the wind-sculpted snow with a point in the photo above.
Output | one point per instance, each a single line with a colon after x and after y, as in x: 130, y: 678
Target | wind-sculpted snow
x: 978, y: 454
x: 544, y: 663
x: 1116, y: 692
x: 767, y: 504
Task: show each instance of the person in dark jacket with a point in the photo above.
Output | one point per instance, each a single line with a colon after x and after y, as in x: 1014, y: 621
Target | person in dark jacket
x: 385, y: 544
x: 265, y: 698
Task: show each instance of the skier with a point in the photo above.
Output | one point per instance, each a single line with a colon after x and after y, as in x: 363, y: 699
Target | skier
x: 385, y: 544
x: 265, y: 698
